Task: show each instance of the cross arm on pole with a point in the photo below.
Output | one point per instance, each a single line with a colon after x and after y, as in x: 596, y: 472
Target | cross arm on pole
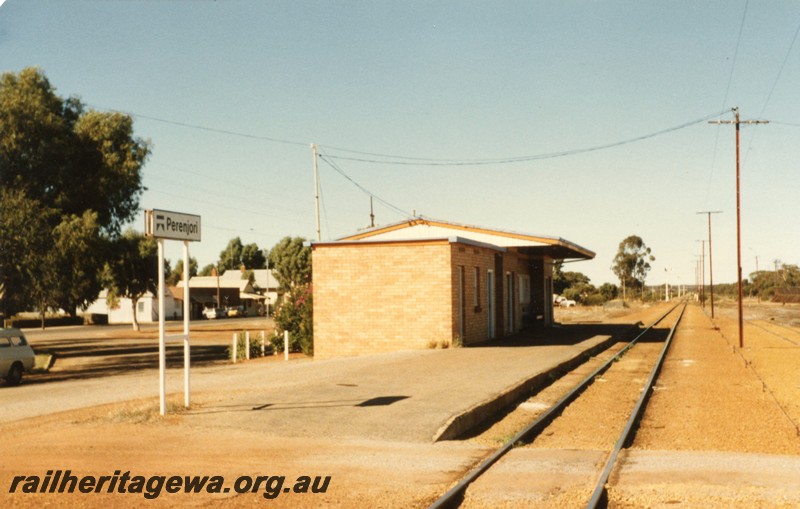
x: 737, y: 121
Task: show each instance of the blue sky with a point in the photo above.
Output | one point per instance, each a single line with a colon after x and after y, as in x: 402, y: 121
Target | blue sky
x: 232, y: 93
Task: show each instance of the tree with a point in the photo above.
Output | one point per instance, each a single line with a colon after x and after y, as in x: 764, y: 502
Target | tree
x: 631, y: 264
x: 253, y: 257
x: 68, y: 176
x: 177, y: 273
x: 68, y: 159
x: 235, y: 255
x: 25, y: 248
x: 609, y: 291
x: 133, y: 269
x: 290, y: 262
x: 78, y: 251
x: 207, y: 270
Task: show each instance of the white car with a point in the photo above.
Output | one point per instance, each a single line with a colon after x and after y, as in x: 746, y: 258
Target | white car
x: 16, y: 355
x: 212, y: 313
x: 567, y: 303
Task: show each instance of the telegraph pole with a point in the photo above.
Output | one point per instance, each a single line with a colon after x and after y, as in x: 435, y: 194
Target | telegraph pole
x: 738, y: 122
x: 702, y: 272
x: 758, y: 287
x: 710, y: 259
x: 316, y: 189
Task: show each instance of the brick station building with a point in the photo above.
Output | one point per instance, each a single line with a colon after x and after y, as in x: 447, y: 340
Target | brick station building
x: 424, y: 282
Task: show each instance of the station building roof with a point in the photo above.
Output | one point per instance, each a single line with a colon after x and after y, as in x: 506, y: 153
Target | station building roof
x: 426, y: 229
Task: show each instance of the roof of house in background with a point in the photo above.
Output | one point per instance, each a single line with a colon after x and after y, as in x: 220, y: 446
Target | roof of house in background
x: 263, y: 278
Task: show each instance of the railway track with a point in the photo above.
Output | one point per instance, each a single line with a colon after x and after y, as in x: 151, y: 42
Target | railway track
x: 785, y: 333
x: 634, y: 367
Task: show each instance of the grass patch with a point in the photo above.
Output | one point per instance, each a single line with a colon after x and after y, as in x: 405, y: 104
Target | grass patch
x: 143, y: 412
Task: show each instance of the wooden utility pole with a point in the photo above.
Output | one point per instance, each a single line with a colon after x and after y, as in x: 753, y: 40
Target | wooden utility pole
x: 316, y: 189
x: 738, y: 122
x: 710, y: 259
x: 702, y: 272
x: 758, y: 286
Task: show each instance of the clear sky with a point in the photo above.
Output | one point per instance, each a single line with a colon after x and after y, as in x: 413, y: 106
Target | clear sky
x: 232, y: 93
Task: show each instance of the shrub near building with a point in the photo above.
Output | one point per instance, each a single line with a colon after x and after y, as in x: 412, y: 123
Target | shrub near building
x: 290, y: 261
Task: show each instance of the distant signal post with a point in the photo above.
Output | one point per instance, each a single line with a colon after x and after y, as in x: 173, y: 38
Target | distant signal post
x: 161, y: 225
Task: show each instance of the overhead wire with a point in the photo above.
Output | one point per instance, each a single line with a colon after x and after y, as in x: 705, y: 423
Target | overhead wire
x: 204, y: 128
x: 366, y: 191
x: 394, y: 159
x: 772, y: 89
x: 780, y: 71
x: 519, y: 159
x: 725, y: 101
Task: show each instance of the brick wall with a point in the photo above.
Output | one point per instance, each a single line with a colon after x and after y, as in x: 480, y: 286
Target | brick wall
x: 372, y: 298
x: 476, y: 318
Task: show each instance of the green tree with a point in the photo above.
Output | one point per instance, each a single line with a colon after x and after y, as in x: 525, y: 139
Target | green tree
x: 133, y: 269
x: 75, y: 176
x: 609, y: 291
x: 290, y: 262
x: 207, y: 270
x: 27, y: 272
x: 236, y: 254
x: 632, y: 263
x: 176, y: 274
x: 66, y: 158
x: 78, y: 251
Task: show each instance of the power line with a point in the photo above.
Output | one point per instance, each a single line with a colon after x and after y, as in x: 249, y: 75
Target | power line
x: 725, y: 99
x: 735, y: 54
x: 362, y: 188
x: 772, y: 89
x: 780, y: 71
x: 520, y: 159
x: 394, y: 159
x: 205, y: 128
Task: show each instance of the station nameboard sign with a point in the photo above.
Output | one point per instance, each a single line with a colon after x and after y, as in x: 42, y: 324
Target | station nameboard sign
x: 163, y: 224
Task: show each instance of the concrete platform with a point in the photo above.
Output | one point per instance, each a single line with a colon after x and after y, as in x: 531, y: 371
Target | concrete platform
x: 412, y: 396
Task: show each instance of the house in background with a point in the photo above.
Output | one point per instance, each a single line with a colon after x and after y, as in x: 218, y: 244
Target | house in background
x: 146, y: 308
x: 233, y: 288
x: 422, y: 282
x: 263, y: 284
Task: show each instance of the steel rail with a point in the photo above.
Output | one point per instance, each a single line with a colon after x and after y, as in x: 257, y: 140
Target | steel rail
x: 600, y: 495
x: 454, y: 495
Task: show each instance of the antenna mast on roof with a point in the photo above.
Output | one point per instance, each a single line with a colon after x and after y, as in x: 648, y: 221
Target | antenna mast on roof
x: 371, y: 214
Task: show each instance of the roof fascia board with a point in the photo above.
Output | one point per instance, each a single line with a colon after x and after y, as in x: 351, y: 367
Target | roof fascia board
x: 416, y: 242
x: 363, y: 243
x: 544, y: 239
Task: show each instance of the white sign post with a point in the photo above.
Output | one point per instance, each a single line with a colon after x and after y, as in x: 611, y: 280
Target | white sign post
x: 162, y: 224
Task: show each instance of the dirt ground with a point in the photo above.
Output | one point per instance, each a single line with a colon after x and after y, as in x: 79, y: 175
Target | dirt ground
x: 719, y: 411
x: 720, y: 429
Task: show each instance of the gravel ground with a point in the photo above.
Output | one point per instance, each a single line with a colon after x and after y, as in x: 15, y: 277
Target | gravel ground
x: 720, y: 432
x: 720, y: 429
